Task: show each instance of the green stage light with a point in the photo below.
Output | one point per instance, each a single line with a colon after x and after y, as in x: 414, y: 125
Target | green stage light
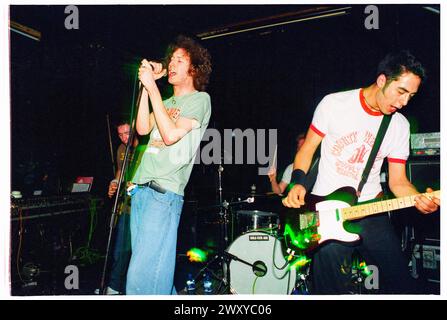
x: 197, y: 255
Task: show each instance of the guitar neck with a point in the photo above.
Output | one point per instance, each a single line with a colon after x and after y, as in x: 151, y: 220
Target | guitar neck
x: 369, y: 209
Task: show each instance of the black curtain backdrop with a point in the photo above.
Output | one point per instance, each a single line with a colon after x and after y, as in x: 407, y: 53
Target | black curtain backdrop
x: 63, y: 87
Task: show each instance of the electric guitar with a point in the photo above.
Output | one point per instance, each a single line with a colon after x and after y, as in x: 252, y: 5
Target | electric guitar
x: 305, y: 231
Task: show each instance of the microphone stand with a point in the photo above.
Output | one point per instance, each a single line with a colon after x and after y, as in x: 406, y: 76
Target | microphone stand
x: 222, y: 213
x: 118, y: 191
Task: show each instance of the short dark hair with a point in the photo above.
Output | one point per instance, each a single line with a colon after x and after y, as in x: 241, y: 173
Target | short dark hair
x: 200, y: 59
x: 122, y: 123
x: 397, y: 63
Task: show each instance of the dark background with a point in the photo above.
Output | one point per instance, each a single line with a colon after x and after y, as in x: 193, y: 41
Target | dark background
x: 64, y: 86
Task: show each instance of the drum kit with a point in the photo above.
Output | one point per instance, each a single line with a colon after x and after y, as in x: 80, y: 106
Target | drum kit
x: 255, y: 261
x: 257, y: 265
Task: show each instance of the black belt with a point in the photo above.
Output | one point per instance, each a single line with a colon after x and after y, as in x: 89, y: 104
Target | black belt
x: 153, y: 185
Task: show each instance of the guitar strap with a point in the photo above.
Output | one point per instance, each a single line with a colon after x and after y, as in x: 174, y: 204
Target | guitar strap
x: 379, y: 138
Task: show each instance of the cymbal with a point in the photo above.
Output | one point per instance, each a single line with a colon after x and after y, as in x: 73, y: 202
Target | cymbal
x: 256, y: 213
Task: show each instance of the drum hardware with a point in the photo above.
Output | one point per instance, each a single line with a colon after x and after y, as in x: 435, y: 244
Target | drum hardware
x: 259, y: 268
x: 259, y: 272
x: 301, y: 286
x: 359, y: 271
x: 251, y: 266
x: 222, y: 205
x: 223, y: 256
x: 255, y: 220
x: 225, y: 210
x: 254, y: 262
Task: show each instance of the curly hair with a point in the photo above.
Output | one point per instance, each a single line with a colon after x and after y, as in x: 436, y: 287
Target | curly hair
x: 397, y: 63
x: 200, y: 60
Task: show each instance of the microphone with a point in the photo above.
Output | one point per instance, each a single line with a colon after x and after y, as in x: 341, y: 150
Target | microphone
x: 163, y: 67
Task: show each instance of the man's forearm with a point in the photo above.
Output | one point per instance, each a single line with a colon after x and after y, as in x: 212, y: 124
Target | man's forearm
x: 275, y: 186
x: 117, y: 174
x: 303, y: 160
x: 304, y: 156
x: 403, y: 189
x: 165, y: 124
x: 142, y: 124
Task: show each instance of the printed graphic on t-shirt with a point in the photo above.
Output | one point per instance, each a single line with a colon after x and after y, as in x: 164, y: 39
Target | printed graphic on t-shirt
x: 359, y: 155
x: 351, y: 153
x: 156, y: 143
x: 343, y: 142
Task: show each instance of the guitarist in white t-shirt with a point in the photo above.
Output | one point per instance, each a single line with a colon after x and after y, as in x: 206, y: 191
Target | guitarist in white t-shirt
x: 346, y: 124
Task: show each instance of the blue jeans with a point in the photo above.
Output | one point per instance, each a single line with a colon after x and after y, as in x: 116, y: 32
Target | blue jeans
x: 121, y: 253
x: 154, y: 222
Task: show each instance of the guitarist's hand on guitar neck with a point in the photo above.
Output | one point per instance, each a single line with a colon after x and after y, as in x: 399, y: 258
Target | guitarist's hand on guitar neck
x: 426, y: 204
x: 295, y: 197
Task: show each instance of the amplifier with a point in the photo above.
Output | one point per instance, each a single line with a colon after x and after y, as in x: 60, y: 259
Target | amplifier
x: 425, y: 173
x: 425, y: 144
x: 425, y: 262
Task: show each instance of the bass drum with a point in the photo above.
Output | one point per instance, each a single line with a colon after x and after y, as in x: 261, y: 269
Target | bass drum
x: 257, y: 266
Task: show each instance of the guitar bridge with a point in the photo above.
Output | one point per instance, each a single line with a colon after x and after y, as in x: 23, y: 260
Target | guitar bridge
x: 308, y: 220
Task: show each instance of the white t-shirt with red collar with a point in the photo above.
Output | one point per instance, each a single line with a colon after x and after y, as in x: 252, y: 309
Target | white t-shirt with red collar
x: 349, y: 128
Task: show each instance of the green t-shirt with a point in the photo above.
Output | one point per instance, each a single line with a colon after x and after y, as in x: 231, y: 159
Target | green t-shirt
x: 171, y: 166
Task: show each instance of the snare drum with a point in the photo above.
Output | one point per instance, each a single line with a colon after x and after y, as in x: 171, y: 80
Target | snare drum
x: 257, y: 266
x: 255, y: 220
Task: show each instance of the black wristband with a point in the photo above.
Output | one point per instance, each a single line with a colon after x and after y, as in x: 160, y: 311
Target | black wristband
x: 298, y: 177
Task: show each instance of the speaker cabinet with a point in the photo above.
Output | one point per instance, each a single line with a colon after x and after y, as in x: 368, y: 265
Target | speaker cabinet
x: 424, y: 174
x: 422, y: 232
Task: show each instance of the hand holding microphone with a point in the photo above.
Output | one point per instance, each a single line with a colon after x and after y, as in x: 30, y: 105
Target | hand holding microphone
x: 150, y: 71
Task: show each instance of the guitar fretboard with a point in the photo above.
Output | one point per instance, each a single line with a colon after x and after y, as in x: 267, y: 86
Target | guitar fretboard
x: 368, y: 209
